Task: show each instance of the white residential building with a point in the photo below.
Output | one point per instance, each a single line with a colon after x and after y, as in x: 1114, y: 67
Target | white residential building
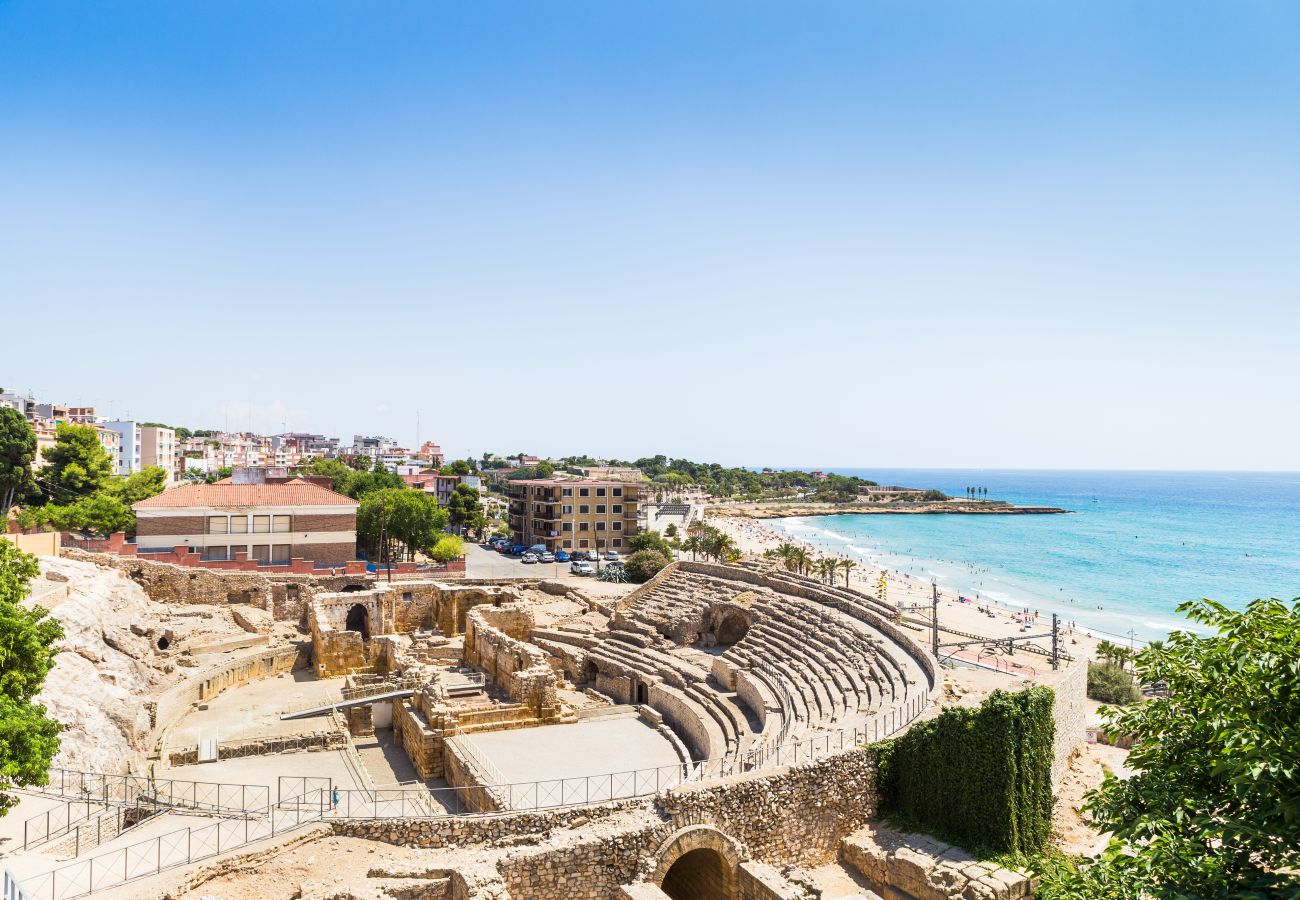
x: 129, y: 453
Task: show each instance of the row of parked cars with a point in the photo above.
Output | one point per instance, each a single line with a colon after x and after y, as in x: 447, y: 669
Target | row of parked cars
x: 580, y: 560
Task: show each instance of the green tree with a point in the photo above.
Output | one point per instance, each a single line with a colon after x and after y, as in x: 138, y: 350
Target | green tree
x: 76, y: 464
x: 650, y: 540
x: 458, y: 467
x: 644, y: 565
x: 28, y: 737
x: 148, y: 482
x: 399, y: 517
x: 463, y: 505
x: 670, y: 531
x: 848, y: 566
x: 17, y: 450
x: 1212, y: 808
x: 100, y: 513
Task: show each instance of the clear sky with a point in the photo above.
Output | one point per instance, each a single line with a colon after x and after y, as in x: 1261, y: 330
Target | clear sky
x: 970, y: 234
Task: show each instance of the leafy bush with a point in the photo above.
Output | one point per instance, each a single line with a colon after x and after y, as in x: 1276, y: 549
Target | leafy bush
x: 650, y: 540
x: 644, y: 565
x: 447, y: 548
x: 1111, y: 683
x: 981, y: 777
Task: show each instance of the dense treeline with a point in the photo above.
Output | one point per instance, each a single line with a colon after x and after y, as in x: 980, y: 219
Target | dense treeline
x: 725, y: 481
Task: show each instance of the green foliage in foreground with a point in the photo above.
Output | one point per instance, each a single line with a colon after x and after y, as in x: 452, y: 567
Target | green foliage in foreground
x: 644, y: 565
x: 981, y: 777
x: 1112, y: 683
x: 447, y: 548
x: 1213, y: 809
x: 28, y: 738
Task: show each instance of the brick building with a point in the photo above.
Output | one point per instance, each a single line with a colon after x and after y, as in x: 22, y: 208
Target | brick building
x: 574, y: 515
x: 271, y: 522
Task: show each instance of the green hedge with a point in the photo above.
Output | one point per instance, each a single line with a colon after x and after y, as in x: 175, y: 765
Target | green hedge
x: 981, y: 777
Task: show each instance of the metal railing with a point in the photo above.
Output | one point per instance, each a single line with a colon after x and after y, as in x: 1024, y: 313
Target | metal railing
x: 479, y: 758
x: 209, y: 796
x: 348, y: 695
x: 589, y: 789
x: 182, y: 847
x: 304, y: 799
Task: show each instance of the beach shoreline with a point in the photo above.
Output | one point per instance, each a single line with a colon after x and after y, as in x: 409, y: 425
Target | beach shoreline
x: 796, y: 509
x: 959, y: 615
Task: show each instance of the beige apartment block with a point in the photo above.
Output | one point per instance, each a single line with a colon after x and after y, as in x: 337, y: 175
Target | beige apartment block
x: 574, y: 515
x: 158, y: 448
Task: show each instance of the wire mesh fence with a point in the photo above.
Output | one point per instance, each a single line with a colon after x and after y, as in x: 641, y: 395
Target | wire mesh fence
x: 207, y: 796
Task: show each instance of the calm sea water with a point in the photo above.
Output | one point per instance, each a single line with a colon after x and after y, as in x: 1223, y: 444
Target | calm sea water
x: 1136, y: 545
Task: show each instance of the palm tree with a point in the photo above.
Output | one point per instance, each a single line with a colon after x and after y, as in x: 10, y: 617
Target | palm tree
x: 848, y: 566
x: 826, y: 569
x: 693, y: 544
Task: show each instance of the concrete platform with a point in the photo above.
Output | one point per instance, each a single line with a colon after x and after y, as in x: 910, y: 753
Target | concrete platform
x: 593, y: 747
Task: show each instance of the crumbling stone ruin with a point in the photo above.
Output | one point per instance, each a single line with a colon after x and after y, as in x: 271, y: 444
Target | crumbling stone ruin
x: 767, y: 687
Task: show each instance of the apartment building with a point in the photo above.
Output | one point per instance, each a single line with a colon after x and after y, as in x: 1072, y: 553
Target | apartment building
x: 129, y: 450
x: 158, y: 447
x: 272, y: 522
x: 574, y: 515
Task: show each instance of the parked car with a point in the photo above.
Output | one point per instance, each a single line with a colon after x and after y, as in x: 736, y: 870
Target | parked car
x: 581, y: 568
x: 593, y: 556
x: 529, y: 558
x: 615, y: 564
x: 611, y: 555
x: 548, y: 556
x: 517, y: 549
x: 503, y: 547
x: 561, y: 555
x: 539, y: 549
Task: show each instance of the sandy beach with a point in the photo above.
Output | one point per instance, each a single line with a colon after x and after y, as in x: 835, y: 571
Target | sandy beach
x: 984, y: 617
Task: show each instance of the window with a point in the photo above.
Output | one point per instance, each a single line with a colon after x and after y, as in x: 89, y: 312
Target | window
x: 582, y: 543
x: 280, y: 554
x: 407, y: 596
x: 618, y: 492
x: 600, y: 526
x: 568, y: 544
x: 600, y: 492
x: 218, y: 525
x: 600, y: 508
x: 618, y: 507
x: 216, y: 553
x: 568, y: 510
x: 261, y: 524
x: 584, y: 509
x: 568, y: 492
x: 618, y: 542
x: 584, y: 492
x: 567, y: 526
x: 618, y: 526
x: 583, y: 526
x: 282, y: 524
x: 261, y: 553
x: 239, y: 524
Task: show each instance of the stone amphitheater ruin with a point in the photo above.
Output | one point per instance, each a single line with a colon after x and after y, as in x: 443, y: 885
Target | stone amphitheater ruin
x: 703, y: 735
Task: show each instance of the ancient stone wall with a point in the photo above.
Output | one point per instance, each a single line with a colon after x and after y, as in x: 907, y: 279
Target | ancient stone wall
x: 284, y: 595
x: 495, y: 641
x: 1070, y: 712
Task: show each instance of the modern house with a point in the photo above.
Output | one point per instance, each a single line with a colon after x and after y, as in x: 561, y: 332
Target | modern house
x: 272, y: 522
x: 574, y: 515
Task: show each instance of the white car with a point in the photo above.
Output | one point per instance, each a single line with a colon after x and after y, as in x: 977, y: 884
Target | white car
x: 548, y: 556
x: 581, y: 568
x: 528, y: 558
x: 611, y: 555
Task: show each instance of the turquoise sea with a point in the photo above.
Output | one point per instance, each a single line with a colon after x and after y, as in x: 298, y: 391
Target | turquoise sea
x: 1135, y: 545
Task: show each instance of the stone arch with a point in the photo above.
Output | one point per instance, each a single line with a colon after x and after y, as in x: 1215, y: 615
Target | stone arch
x: 698, y: 862
x: 732, y: 627
x: 359, y: 620
x: 589, y: 671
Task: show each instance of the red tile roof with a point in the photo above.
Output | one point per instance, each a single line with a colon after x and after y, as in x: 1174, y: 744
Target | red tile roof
x: 290, y: 493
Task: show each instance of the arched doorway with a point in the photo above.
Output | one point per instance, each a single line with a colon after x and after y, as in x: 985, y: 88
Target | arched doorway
x: 699, y: 874
x: 359, y: 620
x: 732, y: 629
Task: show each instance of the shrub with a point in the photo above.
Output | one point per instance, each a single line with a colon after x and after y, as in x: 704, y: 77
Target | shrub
x: 650, y: 540
x: 1111, y: 683
x: 644, y: 565
x: 615, y: 574
x: 981, y: 777
x: 447, y: 548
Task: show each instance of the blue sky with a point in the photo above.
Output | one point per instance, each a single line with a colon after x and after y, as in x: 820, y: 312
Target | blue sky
x: 968, y: 234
